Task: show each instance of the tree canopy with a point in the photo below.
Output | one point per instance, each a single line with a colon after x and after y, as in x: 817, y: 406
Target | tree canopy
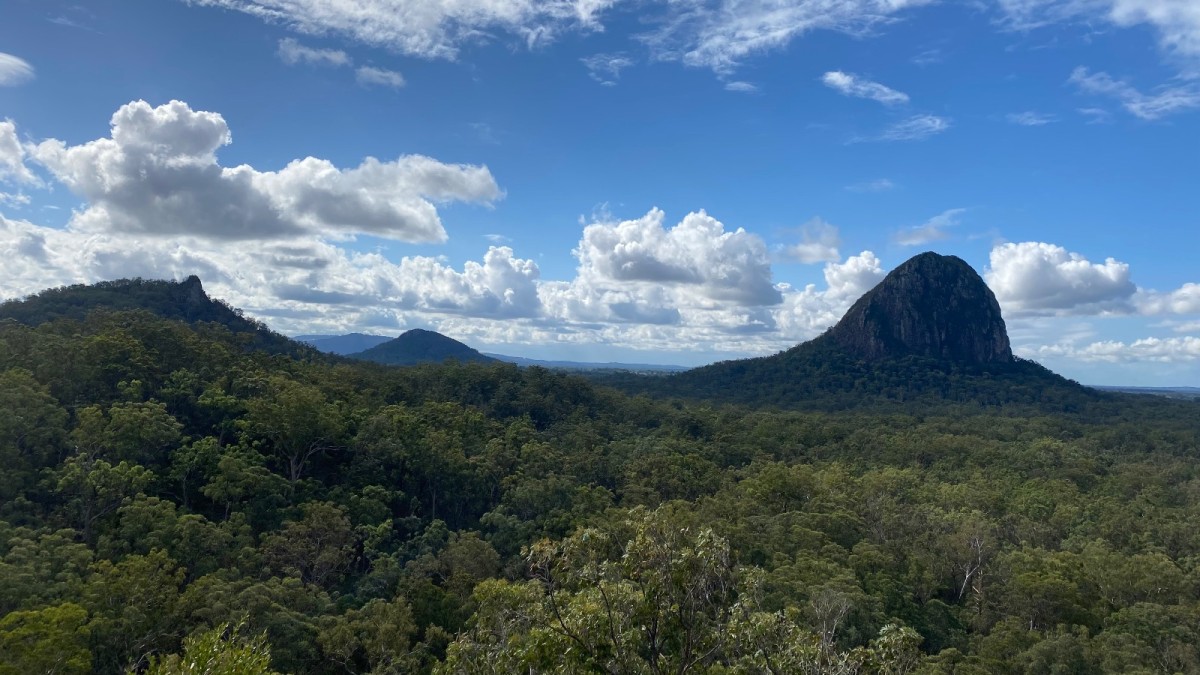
x: 173, y: 496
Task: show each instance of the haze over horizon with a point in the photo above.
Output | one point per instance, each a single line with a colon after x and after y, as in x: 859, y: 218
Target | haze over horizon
x: 618, y: 180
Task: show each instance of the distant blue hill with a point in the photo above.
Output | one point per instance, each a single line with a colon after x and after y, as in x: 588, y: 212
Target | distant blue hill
x: 343, y: 344
x: 1171, y: 392
x: 421, y: 346
x: 587, y: 365
x: 424, y: 346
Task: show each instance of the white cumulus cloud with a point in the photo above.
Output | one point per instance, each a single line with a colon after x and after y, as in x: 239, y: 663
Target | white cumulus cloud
x: 298, y: 284
x: 1040, y: 278
x: 849, y: 280
x: 697, y: 252
x: 591, y: 301
x: 1152, y: 349
x: 692, y: 286
x: 159, y: 205
x: 849, y: 84
x: 12, y: 156
x: 807, y: 312
x: 158, y: 174
x: 501, y: 286
x: 1183, y: 300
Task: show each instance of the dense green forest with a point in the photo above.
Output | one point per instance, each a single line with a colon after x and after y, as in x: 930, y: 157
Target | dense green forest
x: 817, y: 376
x: 172, y: 494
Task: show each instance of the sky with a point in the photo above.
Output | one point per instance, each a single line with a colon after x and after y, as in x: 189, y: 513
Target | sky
x: 653, y: 181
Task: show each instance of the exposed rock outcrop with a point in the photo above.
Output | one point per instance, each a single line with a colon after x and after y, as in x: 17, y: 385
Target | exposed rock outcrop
x: 932, y: 305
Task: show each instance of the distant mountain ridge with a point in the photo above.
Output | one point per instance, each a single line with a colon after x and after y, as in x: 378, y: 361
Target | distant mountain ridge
x: 351, y: 344
x: 1169, y: 392
x: 421, y: 346
x: 947, y: 344
x: 177, y: 300
x: 343, y: 345
x: 931, y: 330
x: 590, y: 365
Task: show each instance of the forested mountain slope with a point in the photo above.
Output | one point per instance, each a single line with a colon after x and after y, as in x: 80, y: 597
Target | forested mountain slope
x: 930, y: 334
x: 181, y: 300
x: 161, y: 481
x: 818, y: 375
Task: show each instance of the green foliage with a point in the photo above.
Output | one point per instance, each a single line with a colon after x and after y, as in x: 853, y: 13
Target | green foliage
x: 317, y: 549
x: 162, y: 478
x: 94, y: 488
x: 295, y: 422
x: 818, y: 375
x: 180, y: 301
x: 220, y: 651
x: 669, y: 599
x: 38, y: 567
x: 376, y: 638
x: 50, y: 640
x: 132, y: 608
x: 31, y: 431
x: 134, y: 432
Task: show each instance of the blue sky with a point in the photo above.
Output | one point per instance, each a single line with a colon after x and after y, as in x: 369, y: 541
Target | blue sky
x: 628, y: 180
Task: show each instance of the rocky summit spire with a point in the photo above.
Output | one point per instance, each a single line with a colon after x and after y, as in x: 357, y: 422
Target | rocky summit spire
x: 932, y: 305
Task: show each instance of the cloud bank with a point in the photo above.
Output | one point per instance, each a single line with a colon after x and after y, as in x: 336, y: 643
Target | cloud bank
x: 158, y: 175
x: 157, y: 203
x: 1036, y: 277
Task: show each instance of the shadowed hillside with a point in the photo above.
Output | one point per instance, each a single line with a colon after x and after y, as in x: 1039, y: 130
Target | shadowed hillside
x: 421, y: 346
x: 178, y: 300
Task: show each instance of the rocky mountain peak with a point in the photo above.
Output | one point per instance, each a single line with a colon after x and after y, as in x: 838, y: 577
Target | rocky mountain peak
x: 191, y: 292
x: 932, y: 305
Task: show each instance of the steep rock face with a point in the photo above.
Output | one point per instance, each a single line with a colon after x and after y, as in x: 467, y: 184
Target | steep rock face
x: 932, y: 305
x: 191, y: 295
